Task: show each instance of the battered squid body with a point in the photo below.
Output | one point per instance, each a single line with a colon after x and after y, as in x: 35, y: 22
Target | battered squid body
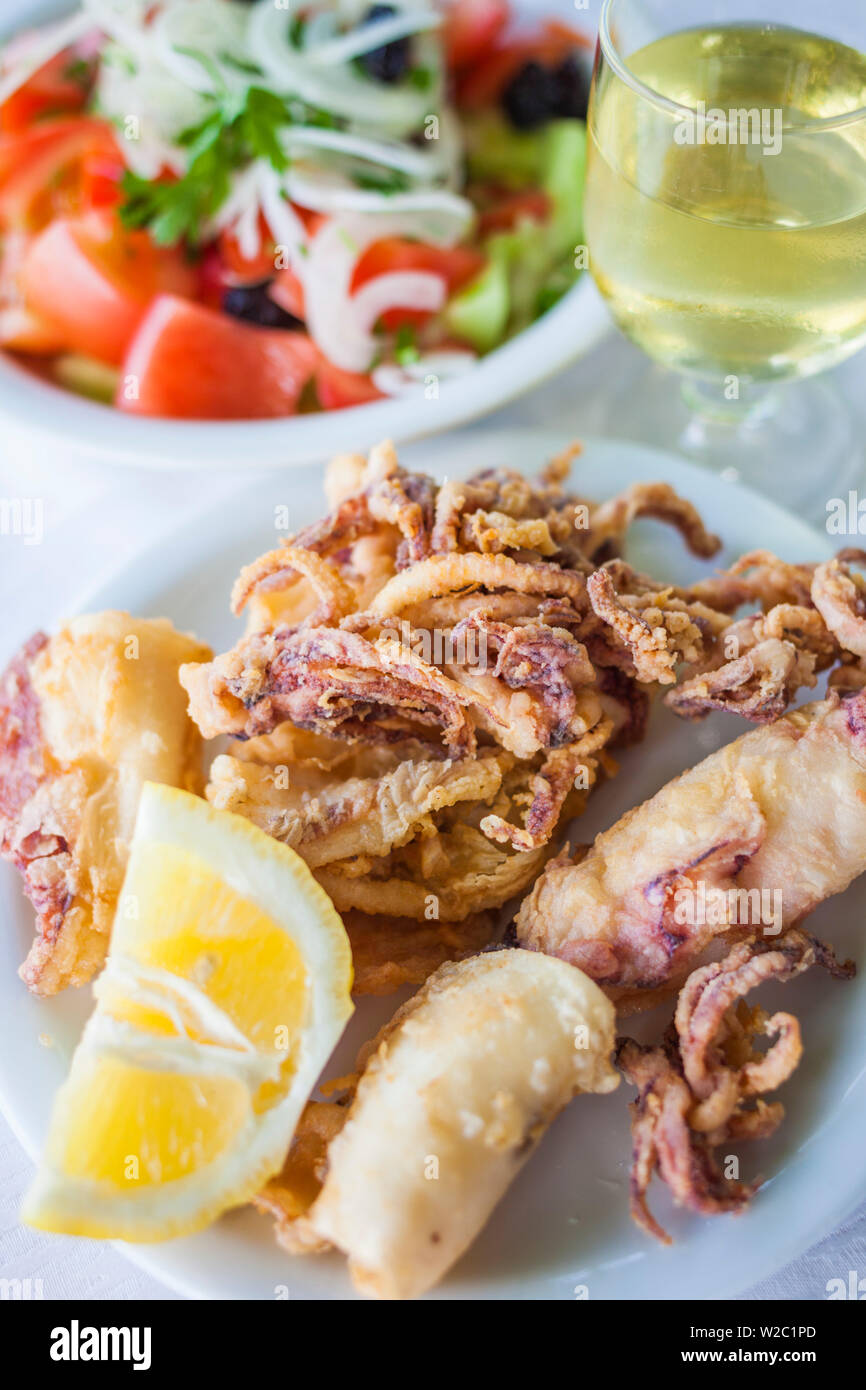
x: 86, y: 718
x: 461, y: 1086
x: 781, y: 810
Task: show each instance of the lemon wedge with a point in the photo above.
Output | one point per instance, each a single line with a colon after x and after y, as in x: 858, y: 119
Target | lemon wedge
x: 226, y: 988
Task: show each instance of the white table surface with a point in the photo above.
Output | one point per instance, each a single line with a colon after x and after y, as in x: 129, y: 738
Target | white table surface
x: 94, y: 519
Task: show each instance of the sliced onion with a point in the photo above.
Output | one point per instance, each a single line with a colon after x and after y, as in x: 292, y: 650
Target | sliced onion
x: 393, y: 110
x: 286, y: 226
x: 442, y: 217
x: 339, y: 322
x: 210, y: 27
x: 240, y: 211
x: 392, y: 154
x: 164, y: 106
x: 331, y: 325
x: 370, y: 36
x: 398, y: 289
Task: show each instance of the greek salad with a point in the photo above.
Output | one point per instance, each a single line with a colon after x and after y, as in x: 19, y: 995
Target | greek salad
x: 212, y: 209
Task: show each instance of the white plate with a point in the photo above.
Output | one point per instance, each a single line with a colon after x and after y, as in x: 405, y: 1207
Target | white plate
x: 39, y: 415
x: 564, y: 1223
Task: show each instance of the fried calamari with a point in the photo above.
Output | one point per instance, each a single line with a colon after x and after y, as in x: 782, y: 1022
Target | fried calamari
x: 460, y: 1079
x: 486, y: 644
x: 733, y: 841
x: 86, y: 717
x: 703, y: 1086
x: 425, y: 693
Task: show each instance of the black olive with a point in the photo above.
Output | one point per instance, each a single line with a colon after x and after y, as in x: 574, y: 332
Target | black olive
x: 531, y: 96
x: 572, y: 88
x: 253, y: 304
x: 391, y: 62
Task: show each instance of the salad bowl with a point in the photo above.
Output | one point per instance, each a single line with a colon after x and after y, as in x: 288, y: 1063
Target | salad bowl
x: 41, y: 415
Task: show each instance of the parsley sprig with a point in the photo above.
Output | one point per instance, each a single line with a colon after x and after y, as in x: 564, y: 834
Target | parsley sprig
x: 238, y: 128
x: 236, y: 131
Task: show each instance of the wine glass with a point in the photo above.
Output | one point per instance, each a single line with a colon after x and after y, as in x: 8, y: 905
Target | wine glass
x: 726, y: 228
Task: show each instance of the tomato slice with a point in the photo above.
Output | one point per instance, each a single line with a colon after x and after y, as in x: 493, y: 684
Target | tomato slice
x: 22, y: 331
x: 42, y: 169
x: 92, y: 281
x: 240, y: 269
x: 506, y: 212
x: 193, y: 363
x: 470, y: 27
x: 288, y: 292
x: 54, y: 88
x: 338, y: 389
x: 312, y: 220
x: 457, y: 265
x: 101, y: 176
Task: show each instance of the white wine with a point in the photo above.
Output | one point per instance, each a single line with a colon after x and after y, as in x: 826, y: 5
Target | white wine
x: 737, y: 245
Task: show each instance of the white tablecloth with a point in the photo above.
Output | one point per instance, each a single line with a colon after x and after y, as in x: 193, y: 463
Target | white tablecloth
x: 94, y: 519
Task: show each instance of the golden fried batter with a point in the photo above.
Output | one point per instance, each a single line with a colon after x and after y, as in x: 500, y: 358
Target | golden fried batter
x: 86, y: 717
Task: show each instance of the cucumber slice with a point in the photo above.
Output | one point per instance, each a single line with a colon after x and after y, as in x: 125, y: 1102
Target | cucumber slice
x: 531, y: 267
x: 525, y: 256
x: 479, y: 313
x: 87, y: 377
x: 497, y: 153
x: 554, y: 286
x: 562, y: 178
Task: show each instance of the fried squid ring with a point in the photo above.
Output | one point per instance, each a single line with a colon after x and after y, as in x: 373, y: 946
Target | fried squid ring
x: 840, y: 597
x: 450, y: 896
x: 283, y: 567
x: 550, y: 787
x: 326, y: 680
x: 772, y: 581
x: 444, y: 574
x: 332, y: 816
x: 655, y: 629
x: 611, y: 520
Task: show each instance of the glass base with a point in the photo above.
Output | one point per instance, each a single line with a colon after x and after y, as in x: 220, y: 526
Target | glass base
x: 796, y: 442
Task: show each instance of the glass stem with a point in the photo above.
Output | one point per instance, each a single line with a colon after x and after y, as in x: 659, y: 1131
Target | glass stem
x: 730, y: 401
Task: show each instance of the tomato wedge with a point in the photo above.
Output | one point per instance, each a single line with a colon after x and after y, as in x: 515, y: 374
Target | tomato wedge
x: 338, y: 389
x: 61, y: 85
x: 42, y: 169
x: 470, y: 27
x: 457, y: 265
x: 312, y: 220
x: 92, y: 282
x: 240, y: 269
x: 21, y: 331
x: 101, y: 176
x: 507, y: 212
x: 192, y: 363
